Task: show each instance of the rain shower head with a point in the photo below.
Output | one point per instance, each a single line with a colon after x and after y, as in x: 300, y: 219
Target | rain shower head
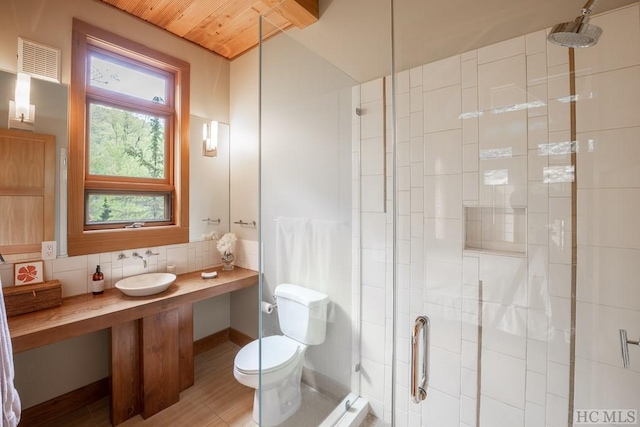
x: 578, y: 33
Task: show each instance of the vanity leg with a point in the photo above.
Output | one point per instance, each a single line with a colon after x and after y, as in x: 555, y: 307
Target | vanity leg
x: 159, y: 361
x: 186, y: 347
x: 125, y: 371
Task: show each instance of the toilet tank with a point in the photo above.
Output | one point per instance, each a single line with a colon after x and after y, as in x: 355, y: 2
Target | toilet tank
x: 302, y: 313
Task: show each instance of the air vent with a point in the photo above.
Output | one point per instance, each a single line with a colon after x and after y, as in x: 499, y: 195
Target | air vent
x: 38, y: 60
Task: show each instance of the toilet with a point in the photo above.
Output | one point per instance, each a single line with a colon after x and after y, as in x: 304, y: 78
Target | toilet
x: 302, y: 314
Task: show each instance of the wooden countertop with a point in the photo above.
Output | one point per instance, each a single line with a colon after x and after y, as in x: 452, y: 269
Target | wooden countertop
x: 87, y: 313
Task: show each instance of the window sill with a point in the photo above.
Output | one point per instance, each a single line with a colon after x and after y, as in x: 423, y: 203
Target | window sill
x: 96, y: 241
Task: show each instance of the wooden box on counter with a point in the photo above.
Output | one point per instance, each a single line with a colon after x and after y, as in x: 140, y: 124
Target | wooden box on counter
x: 28, y: 298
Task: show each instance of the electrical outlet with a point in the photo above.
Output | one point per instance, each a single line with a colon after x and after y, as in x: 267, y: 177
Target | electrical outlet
x: 49, y: 250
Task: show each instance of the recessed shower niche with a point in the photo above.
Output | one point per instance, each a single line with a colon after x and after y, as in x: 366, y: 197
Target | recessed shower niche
x: 496, y: 229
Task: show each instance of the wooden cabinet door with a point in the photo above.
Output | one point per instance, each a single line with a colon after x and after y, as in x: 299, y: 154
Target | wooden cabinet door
x: 27, y: 191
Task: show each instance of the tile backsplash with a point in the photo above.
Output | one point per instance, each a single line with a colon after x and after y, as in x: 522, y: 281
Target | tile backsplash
x: 76, y: 272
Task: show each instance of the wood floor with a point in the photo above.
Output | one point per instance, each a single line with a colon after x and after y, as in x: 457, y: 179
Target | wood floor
x: 216, y: 399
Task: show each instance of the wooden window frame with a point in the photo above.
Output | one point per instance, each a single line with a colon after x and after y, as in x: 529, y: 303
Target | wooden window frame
x: 82, y: 240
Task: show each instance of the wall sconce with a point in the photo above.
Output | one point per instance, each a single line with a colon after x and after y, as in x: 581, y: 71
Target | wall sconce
x: 22, y: 113
x: 210, y: 139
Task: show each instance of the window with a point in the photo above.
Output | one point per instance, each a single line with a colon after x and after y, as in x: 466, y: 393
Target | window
x: 128, y: 148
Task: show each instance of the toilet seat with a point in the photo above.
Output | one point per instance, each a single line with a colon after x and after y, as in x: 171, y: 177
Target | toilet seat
x: 277, y: 352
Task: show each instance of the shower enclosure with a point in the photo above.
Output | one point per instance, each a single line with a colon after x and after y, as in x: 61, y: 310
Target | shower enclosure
x: 488, y: 246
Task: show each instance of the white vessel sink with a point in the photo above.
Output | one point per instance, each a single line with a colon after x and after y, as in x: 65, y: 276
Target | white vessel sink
x: 145, y: 284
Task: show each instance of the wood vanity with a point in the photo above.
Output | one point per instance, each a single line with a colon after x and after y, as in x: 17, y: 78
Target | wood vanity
x: 151, y: 337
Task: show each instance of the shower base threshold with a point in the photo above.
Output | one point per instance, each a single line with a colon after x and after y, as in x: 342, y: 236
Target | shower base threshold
x: 352, y: 417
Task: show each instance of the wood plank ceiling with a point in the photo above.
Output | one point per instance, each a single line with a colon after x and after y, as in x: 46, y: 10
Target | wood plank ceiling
x: 226, y: 27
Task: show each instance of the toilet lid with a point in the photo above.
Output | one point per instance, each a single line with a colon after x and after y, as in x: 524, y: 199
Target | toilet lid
x: 277, y: 351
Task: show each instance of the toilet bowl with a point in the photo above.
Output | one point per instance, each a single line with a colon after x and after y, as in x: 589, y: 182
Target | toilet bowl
x: 302, y: 314
x: 282, y: 360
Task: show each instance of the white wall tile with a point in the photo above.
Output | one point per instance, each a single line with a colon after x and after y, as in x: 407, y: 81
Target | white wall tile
x: 370, y: 342
x: 560, y: 279
x: 443, y: 283
x: 446, y: 377
x: 608, y: 100
x: 536, y: 42
x: 599, y: 225
x: 535, y: 415
x: 443, y: 240
x: 470, y: 158
x: 608, y: 159
x: 536, y: 388
x: 403, y: 82
x: 372, y: 196
x: 502, y: 83
x: 415, y: 76
x: 537, y: 356
x: 537, y: 69
x: 442, y: 73
x: 442, y: 109
x: 598, y: 337
x: 558, y: 81
x: 504, y: 279
x: 373, y: 299
x: 537, y: 101
x: 372, y: 156
x: 504, y: 329
x: 445, y: 326
x: 508, y: 188
x: 505, y: 131
x: 443, y: 153
x: 466, y: 56
x: 496, y: 367
x: 497, y: 414
x: 470, y: 186
x: 604, y: 386
x: 501, y: 50
x: 560, y: 313
x: 538, y: 132
x: 441, y: 410
x: 558, y: 380
x: 372, y: 90
x: 557, y: 55
x: 470, y: 130
x: 557, y: 411
x: 608, y: 276
x: 470, y: 73
x: 443, y: 196
x: 622, y: 27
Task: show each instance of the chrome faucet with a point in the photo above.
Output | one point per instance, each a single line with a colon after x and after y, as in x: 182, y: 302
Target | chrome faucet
x: 144, y: 260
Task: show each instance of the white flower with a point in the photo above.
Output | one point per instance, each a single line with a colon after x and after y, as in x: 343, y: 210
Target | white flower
x: 227, y: 243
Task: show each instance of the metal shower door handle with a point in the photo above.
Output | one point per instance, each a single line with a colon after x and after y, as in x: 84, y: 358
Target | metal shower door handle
x: 624, y: 346
x: 420, y: 371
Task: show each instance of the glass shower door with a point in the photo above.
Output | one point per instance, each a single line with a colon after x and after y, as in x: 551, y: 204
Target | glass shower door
x: 309, y: 219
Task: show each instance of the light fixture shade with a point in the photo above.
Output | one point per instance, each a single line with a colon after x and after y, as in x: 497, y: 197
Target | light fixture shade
x: 210, y: 139
x: 23, y: 95
x: 21, y: 112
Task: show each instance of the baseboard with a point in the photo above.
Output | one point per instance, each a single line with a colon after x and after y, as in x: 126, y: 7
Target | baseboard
x: 210, y: 341
x: 62, y: 405
x: 239, y: 338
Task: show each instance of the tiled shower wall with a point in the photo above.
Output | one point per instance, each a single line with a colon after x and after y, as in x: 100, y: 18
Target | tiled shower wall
x: 488, y: 129
x: 608, y: 170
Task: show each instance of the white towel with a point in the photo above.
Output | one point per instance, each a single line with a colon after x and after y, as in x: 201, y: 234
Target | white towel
x: 9, y: 395
x: 313, y: 253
